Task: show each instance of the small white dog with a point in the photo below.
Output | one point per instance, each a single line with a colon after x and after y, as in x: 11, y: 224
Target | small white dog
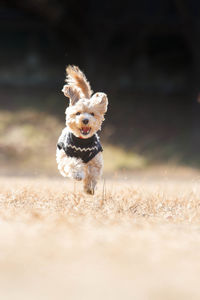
x: 79, y: 152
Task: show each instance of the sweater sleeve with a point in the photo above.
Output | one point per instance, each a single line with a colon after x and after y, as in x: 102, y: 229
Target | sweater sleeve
x: 62, y: 141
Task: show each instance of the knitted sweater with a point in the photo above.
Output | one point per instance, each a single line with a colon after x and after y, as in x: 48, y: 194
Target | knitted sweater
x: 73, y: 146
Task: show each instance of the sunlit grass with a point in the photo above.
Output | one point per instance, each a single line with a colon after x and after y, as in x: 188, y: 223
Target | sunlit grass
x: 28, y: 144
x: 116, y: 159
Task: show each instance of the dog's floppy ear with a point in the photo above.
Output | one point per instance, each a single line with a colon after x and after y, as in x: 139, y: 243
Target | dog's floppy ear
x: 72, y: 93
x: 100, y: 100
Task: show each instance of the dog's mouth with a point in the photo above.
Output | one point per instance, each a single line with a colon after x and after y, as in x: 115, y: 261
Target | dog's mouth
x: 85, y: 130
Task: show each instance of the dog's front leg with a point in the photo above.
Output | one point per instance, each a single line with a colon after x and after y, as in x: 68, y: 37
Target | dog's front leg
x: 70, y: 166
x: 89, y: 184
x: 74, y: 168
x: 93, y: 171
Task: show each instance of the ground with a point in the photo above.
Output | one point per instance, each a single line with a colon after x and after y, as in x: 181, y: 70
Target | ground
x: 137, y: 238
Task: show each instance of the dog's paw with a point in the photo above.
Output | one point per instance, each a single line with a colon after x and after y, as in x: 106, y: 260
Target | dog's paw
x: 78, y: 176
x: 89, y: 191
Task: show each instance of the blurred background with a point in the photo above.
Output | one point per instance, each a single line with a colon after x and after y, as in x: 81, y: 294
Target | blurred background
x: 144, y: 54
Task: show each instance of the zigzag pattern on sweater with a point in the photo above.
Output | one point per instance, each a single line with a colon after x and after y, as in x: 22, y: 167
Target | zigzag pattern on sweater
x: 82, y: 149
x: 85, y: 149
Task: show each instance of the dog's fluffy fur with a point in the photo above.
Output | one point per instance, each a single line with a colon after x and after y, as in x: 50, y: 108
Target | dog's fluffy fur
x: 82, y: 106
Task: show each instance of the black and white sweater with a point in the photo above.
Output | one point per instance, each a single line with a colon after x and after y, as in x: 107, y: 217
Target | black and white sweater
x: 73, y: 146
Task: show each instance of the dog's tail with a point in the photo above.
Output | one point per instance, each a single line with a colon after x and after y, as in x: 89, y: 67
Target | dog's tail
x: 76, y: 79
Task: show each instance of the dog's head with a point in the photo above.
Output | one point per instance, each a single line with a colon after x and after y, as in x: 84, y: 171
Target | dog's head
x: 85, y: 114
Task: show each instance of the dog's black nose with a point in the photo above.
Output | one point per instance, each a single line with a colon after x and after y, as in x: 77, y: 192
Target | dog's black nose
x: 85, y: 121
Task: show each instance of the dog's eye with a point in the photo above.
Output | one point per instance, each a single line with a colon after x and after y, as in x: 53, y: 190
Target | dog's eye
x: 92, y: 114
x: 78, y: 113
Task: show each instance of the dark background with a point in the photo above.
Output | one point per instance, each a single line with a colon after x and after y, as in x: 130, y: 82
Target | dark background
x: 144, y: 54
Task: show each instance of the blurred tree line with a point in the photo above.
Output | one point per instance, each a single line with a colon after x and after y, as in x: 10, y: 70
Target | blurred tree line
x: 144, y: 54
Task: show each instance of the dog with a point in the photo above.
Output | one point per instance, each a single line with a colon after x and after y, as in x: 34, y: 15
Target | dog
x: 79, y: 151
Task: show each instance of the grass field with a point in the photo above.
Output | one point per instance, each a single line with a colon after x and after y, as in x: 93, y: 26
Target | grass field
x: 137, y: 238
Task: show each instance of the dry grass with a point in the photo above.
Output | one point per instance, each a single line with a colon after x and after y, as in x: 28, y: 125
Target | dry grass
x: 133, y: 240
